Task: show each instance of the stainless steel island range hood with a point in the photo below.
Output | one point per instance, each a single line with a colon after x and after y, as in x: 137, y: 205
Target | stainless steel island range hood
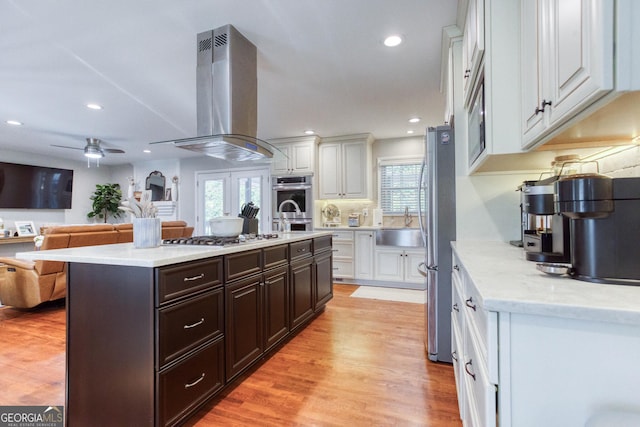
x: 227, y: 86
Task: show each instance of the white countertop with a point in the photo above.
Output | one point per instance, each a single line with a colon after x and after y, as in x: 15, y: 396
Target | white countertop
x: 347, y: 228
x: 507, y: 282
x: 126, y: 254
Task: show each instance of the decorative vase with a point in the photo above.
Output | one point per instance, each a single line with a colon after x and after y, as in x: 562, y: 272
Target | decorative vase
x: 174, y: 191
x: 147, y: 232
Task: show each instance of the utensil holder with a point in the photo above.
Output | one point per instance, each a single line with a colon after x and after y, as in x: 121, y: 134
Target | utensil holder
x: 250, y: 226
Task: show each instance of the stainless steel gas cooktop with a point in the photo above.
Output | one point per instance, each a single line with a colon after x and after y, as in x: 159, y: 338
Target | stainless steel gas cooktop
x: 217, y: 240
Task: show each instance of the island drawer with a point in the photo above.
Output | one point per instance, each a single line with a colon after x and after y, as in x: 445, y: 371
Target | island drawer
x: 242, y: 264
x: 321, y: 244
x: 184, y: 279
x: 186, y: 385
x: 275, y: 256
x: 301, y: 249
x: 189, y: 324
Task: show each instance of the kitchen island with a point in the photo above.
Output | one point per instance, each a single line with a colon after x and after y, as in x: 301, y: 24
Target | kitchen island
x: 152, y: 334
x: 541, y: 349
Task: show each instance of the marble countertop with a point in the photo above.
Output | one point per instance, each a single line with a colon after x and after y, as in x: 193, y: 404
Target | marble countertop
x: 507, y: 282
x: 362, y: 228
x: 126, y: 254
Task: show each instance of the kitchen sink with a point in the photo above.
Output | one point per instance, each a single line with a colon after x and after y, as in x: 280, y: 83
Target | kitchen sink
x: 402, y: 237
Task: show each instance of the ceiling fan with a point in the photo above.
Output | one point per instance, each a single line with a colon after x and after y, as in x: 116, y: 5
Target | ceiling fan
x: 93, y: 149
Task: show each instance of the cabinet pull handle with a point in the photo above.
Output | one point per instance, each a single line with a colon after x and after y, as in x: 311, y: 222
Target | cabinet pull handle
x: 467, y: 73
x: 468, y: 371
x: 302, y: 249
x: 195, y: 382
x: 193, y: 325
x: 191, y: 279
x: 456, y: 308
x: 542, y: 106
x: 469, y: 303
x: 454, y: 355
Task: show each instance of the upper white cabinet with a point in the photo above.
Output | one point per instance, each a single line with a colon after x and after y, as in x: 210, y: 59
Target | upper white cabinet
x: 472, y: 45
x: 499, y: 76
x: 295, y: 156
x: 345, y: 167
x: 567, y: 61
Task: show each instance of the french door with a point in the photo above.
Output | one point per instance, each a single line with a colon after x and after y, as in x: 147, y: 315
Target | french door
x: 224, y: 193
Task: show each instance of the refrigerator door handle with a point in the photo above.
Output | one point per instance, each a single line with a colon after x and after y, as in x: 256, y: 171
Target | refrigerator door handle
x: 422, y: 269
x: 422, y: 188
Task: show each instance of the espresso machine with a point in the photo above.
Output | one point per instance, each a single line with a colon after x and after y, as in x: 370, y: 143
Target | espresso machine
x: 545, y: 232
x: 605, y: 226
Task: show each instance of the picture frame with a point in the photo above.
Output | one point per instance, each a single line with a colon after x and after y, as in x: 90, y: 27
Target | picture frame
x: 167, y: 194
x: 25, y: 228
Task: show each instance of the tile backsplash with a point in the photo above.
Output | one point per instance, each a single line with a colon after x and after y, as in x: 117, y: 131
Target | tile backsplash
x: 357, y: 206
x: 623, y: 164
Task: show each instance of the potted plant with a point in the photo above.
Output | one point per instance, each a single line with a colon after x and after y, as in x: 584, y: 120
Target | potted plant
x: 106, y: 201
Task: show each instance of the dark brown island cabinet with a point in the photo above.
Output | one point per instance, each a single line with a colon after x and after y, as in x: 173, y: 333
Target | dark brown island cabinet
x: 148, y: 346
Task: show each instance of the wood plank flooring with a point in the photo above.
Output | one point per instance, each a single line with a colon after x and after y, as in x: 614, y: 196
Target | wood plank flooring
x: 361, y: 363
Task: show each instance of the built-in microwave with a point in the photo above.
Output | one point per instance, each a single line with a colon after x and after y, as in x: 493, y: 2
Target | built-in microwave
x: 476, y: 133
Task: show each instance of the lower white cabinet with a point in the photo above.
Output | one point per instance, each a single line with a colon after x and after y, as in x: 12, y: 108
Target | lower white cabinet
x: 365, y: 244
x: 398, y: 264
x: 520, y: 369
x: 343, y: 254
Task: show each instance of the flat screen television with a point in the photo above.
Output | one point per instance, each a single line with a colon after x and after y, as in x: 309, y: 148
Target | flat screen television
x: 34, y: 187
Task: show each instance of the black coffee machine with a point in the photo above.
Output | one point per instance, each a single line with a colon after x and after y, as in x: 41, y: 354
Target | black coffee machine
x: 604, y: 217
x: 545, y: 233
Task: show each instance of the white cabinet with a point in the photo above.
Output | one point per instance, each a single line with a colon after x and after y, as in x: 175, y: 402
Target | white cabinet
x: 474, y: 351
x: 499, y: 72
x: 365, y: 244
x: 343, y: 254
x: 345, y: 167
x: 398, y: 264
x: 509, y: 364
x: 451, y: 34
x: 294, y: 156
x: 472, y: 45
x: 567, y: 61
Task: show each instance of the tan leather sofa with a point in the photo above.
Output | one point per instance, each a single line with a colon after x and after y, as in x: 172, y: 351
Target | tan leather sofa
x: 25, y: 284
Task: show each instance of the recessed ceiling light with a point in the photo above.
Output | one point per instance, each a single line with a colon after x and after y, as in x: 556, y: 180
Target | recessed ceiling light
x: 409, y: 131
x: 309, y: 132
x: 414, y: 119
x: 393, y: 40
x: 94, y: 106
x: 14, y: 123
x: 146, y: 151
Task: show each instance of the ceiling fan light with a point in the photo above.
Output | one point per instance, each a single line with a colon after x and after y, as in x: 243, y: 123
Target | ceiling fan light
x: 93, y: 152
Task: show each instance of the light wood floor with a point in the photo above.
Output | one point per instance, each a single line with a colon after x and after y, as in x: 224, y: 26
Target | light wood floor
x: 360, y: 363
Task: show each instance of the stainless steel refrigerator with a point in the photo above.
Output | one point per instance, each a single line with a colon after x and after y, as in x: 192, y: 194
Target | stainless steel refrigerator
x: 437, y: 214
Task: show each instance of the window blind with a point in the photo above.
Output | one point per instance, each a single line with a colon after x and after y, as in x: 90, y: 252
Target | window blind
x: 399, y: 187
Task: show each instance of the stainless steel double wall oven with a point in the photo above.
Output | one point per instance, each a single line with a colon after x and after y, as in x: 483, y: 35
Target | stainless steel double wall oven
x: 300, y: 190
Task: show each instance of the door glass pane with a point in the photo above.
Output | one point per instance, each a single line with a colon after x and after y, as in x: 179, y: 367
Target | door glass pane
x: 213, y: 201
x: 249, y: 190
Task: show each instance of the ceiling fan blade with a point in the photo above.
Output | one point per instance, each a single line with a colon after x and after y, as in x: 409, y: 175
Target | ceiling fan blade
x: 113, y: 150
x: 66, y: 146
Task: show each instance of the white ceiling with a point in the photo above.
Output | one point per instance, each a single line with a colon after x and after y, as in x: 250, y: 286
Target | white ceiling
x: 321, y: 65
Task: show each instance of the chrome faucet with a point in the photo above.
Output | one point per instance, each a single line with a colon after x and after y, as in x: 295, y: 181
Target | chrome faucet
x: 281, y: 219
x: 407, y: 217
